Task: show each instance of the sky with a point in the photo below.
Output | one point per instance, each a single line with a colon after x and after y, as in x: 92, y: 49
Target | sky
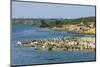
x: 44, y: 10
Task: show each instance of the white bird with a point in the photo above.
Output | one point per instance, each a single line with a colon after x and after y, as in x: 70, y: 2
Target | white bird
x: 19, y: 43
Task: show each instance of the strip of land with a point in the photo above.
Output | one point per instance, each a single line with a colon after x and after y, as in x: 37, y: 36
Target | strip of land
x: 84, y: 25
x: 61, y: 44
x: 77, y: 28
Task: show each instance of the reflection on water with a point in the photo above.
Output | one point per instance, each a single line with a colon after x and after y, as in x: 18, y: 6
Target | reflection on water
x: 28, y: 55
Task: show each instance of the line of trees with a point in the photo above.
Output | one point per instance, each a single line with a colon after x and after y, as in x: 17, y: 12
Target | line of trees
x: 41, y: 22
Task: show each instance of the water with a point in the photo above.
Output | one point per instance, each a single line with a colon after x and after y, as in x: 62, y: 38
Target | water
x: 27, y: 55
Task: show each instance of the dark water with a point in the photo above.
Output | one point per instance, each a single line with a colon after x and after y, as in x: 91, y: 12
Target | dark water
x: 27, y: 55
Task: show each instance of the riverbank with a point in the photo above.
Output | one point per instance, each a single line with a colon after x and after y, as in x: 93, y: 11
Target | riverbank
x: 77, y: 28
x: 61, y: 44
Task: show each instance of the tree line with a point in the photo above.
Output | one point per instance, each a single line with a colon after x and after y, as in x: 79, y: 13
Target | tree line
x: 44, y: 22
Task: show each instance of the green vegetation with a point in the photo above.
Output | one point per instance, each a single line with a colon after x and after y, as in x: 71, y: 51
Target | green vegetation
x: 84, y: 20
x: 58, y: 22
x: 84, y: 25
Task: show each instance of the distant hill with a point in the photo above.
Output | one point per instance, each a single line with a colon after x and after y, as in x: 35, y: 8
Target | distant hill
x: 42, y: 22
x: 84, y: 20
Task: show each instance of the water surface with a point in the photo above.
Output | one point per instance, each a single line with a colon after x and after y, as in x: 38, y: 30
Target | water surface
x: 28, y: 55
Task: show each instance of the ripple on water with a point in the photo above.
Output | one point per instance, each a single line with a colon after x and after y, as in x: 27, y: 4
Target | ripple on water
x: 27, y: 55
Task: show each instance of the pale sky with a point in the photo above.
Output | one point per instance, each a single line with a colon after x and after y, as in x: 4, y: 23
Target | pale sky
x: 44, y: 10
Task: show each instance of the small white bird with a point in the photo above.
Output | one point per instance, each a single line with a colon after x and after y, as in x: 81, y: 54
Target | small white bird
x: 19, y: 43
